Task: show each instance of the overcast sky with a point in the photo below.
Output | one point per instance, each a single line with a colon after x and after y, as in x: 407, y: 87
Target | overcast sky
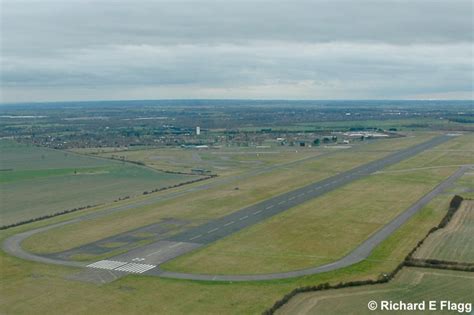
x: 106, y: 49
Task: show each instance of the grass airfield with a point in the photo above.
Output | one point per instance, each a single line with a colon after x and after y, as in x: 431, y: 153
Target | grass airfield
x: 200, y: 206
x: 27, y: 287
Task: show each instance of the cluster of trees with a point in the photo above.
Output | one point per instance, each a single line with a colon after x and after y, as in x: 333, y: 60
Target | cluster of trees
x: 317, y: 141
x: 384, y: 278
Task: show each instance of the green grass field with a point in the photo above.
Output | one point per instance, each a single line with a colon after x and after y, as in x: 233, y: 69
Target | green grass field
x: 329, y: 227
x: 223, y: 161
x: 410, y: 285
x: 27, y: 287
x: 454, y: 242
x: 317, y: 232
x: 37, y: 181
x: 217, y: 201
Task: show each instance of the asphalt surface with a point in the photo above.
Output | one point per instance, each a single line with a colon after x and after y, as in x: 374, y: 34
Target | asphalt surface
x: 238, y: 220
x: 193, y: 238
x: 357, y: 255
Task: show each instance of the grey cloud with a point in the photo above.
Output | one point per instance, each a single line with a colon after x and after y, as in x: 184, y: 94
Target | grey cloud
x: 266, y: 49
x: 52, y: 25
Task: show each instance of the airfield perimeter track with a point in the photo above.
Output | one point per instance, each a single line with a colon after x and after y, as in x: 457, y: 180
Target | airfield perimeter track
x: 199, y: 236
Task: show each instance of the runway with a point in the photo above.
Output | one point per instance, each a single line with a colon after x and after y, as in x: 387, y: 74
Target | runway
x: 146, y: 259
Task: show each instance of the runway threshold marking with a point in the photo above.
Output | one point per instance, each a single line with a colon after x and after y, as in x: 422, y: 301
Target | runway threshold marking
x: 213, y: 230
x: 107, y: 264
x: 135, y: 268
x: 229, y: 223
x: 121, y: 266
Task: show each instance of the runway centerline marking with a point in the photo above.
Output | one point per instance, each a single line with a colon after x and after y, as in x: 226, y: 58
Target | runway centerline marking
x: 213, y: 230
x: 154, y: 253
x: 243, y: 218
x: 291, y: 198
x: 269, y: 207
x: 229, y: 223
x: 282, y: 202
x: 257, y: 212
x: 195, y: 237
x: 174, y: 245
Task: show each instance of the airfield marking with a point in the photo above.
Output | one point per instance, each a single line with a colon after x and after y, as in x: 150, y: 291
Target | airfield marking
x: 269, y: 207
x: 257, y: 212
x: 291, y: 198
x: 135, y: 268
x: 301, y: 195
x: 174, y: 245
x: 121, y: 266
x: 229, y: 223
x: 195, y: 237
x: 107, y: 264
x: 282, y: 202
x: 213, y: 230
x: 243, y: 218
x: 154, y: 253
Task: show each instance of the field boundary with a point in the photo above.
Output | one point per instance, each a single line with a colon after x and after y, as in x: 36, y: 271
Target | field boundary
x: 385, y: 278
x: 48, y: 216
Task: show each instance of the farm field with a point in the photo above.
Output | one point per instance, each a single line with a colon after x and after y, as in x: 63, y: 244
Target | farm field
x: 410, y: 285
x: 26, y: 285
x: 37, y: 181
x: 216, y: 201
x: 454, y: 242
